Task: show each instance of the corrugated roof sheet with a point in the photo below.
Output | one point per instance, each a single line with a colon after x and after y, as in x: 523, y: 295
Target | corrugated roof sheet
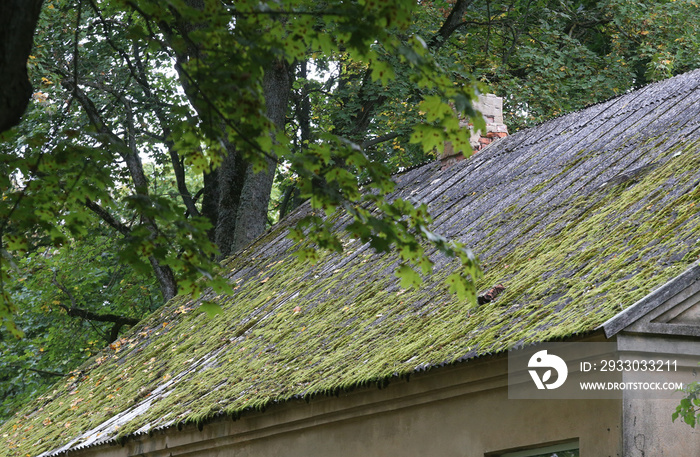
x: 578, y: 218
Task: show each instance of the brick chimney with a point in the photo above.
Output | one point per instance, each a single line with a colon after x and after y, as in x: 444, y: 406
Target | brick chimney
x: 491, y: 107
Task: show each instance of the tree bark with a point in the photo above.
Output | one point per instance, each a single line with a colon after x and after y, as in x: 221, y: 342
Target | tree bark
x: 452, y: 23
x: 252, y: 216
x: 210, y: 200
x: 18, y: 20
x: 244, y: 194
x: 229, y: 184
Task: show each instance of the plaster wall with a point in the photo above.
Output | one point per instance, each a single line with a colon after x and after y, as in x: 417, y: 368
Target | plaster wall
x: 647, y: 425
x: 461, y: 410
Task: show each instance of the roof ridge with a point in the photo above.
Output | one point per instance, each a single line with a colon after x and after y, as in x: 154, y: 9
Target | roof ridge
x: 612, y: 98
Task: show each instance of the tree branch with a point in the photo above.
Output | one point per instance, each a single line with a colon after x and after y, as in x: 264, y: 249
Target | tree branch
x: 138, y: 71
x: 380, y: 139
x: 74, y: 311
x: 107, y: 217
x: 189, y: 82
x: 175, y: 160
x: 96, y: 317
x: 76, y: 40
x: 452, y: 23
x: 90, y: 110
x: 36, y: 370
x: 164, y: 273
x: 45, y: 372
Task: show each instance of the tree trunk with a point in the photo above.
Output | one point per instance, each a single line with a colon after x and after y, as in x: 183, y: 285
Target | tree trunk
x: 231, y: 178
x: 235, y: 197
x: 165, y: 277
x: 18, y: 20
x: 210, y: 200
x: 244, y: 194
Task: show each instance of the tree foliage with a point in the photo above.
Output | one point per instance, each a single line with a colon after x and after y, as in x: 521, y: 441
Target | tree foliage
x: 688, y: 410
x: 197, y: 90
x: 74, y: 301
x: 549, y: 57
x: 110, y: 98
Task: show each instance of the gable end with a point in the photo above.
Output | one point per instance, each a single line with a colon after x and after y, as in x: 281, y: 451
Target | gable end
x: 672, y: 309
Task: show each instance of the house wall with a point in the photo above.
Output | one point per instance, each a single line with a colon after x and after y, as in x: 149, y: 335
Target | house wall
x: 647, y: 425
x: 460, y: 410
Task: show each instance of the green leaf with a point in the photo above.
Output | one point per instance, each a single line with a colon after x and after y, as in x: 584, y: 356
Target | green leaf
x: 690, y: 420
x: 383, y: 72
x: 463, y: 288
x: 435, y: 108
x: 408, y: 276
x: 429, y: 137
x: 16, y: 243
x: 211, y: 308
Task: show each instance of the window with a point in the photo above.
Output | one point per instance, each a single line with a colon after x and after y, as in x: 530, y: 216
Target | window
x: 569, y: 449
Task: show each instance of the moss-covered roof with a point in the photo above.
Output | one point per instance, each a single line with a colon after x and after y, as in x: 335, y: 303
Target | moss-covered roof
x: 578, y: 218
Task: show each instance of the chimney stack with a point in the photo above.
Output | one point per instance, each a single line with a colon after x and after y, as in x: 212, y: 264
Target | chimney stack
x: 491, y: 107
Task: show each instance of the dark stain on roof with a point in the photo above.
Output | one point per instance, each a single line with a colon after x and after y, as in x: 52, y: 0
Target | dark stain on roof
x: 578, y: 218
